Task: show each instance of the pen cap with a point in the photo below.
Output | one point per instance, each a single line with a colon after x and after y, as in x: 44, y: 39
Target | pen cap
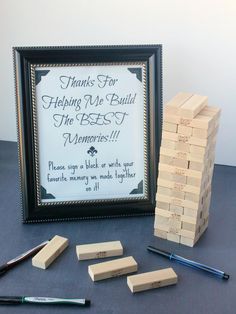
x: 10, y: 300
x: 3, y: 269
x: 225, y: 276
x: 158, y: 251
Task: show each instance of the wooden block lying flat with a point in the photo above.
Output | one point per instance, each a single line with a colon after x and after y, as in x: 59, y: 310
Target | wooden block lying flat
x: 176, y: 217
x: 178, y: 186
x: 99, y: 250
x: 193, y: 106
x: 115, y: 268
x: 176, y: 102
x: 178, y: 162
x: 182, y: 155
x: 50, y: 252
x: 204, y: 120
x: 152, y: 280
x: 172, y: 177
x: 180, y: 171
x: 177, y: 201
x: 170, y: 136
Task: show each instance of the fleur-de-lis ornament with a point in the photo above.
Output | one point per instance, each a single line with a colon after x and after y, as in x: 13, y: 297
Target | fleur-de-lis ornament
x: 92, y: 151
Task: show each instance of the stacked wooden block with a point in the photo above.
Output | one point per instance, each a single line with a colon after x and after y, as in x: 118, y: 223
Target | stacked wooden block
x: 185, y: 168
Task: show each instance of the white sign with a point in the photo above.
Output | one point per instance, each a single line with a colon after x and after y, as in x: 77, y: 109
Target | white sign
x: 91, y: 132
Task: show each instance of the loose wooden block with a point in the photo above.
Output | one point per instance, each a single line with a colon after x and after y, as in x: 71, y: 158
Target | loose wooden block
x: 184, y: 130
x: 170, y: 127
x: 203, y: 120
x: 114, y: 268
x: 176, y: 102
x: 50, y: 252
x: 193, y: 106
x: 160, y: 233
x: 99, y: 250
x: 152, y: 280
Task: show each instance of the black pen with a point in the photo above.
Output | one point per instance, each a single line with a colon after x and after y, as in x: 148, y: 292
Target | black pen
x: 43, y: 300
x: 190, y: 263
x: 15, y: 261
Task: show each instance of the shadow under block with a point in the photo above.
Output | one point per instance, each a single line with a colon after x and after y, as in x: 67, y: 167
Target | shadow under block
x: 114, y: 268
x: 186, y: 166
x: 99, y: 250
x: 50, y: 252
x: 152, y: 280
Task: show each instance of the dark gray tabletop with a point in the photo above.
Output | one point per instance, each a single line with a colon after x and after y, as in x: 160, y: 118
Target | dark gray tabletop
x: 195, y: 292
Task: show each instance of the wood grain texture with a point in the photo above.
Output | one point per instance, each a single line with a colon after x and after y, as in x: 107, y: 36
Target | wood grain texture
x: 50, y: 252
x: 114, y: 268
x: 99, y: 250
x: 152, y: 280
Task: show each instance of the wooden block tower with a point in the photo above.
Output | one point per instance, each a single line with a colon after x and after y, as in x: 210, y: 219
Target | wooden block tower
x: 185, y: 168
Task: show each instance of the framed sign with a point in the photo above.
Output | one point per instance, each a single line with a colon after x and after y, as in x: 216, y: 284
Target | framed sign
x: 89, y: 123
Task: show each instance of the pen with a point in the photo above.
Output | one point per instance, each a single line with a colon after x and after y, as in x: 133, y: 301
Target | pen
x: 190, y: 263
x: 15, y: 261
x: 42, y: 300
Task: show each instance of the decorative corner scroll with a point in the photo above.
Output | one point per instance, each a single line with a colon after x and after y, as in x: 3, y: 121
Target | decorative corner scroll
x: 139, y: 189
x: 45, y: 195
x: 39, y: 74
x: 137, y: 71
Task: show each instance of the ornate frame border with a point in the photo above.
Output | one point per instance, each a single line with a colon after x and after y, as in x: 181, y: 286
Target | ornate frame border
x: 24, y: 60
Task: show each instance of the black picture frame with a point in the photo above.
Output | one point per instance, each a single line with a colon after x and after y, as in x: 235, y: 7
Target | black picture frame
x: 26, y: 59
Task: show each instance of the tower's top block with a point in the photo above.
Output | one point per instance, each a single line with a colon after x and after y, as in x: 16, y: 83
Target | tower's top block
x: 186, y: 105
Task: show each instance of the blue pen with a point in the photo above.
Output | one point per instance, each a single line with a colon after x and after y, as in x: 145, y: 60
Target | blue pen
x: 190, y: 263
